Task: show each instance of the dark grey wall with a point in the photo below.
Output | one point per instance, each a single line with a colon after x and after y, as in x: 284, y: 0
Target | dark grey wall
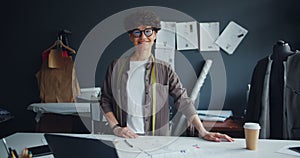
x: 29, y: 27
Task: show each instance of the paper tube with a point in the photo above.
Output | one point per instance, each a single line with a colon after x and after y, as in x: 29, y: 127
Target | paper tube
x: 180, y: 119
x: 201, y: 79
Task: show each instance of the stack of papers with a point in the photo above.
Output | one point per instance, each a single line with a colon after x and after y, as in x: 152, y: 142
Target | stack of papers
x: 214, y: 115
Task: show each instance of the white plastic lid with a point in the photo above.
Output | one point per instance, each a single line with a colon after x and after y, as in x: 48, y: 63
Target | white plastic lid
x: 251, y: 125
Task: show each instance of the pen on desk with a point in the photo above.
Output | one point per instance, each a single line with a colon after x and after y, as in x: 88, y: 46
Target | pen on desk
x: 137, y: 147
x: 128, y: 143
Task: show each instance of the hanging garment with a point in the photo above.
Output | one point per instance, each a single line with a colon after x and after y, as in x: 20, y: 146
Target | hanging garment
x: 258, y: 109
x: 57, y: 83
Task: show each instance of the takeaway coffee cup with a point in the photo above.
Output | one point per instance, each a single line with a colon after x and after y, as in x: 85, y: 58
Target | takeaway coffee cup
x: 251, y: 134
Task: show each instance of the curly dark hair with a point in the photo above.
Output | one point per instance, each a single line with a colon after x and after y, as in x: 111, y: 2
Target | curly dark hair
x: 142, y: 18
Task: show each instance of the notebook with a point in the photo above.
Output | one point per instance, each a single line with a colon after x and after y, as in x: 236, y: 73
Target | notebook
x: 63, y: 146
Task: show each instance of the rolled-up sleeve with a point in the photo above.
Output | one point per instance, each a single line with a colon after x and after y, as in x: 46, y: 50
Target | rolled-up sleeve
x: 106, y: 101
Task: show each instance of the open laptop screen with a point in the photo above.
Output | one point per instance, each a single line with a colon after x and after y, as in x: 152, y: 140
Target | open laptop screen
x: 63, y: 146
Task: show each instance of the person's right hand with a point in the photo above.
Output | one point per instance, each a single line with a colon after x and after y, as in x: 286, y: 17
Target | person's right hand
x: 124, y: 132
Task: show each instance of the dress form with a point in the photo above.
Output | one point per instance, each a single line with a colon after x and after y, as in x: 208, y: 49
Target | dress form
x: 281, y: 50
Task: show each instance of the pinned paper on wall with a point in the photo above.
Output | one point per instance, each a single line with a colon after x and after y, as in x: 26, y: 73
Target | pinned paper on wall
x: 166, y: 36
x: 209, y: 32
x: 187, y: 35
x: 231, y: 37
x: 167, y: 55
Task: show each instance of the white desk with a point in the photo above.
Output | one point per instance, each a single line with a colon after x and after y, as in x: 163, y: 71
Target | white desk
x: 85, y: 109
x: 170, y: 146
x: 58, y: 108
x: 88, y: 96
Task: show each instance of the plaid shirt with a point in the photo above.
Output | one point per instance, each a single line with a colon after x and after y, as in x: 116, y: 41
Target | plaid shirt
x: 114, y: 94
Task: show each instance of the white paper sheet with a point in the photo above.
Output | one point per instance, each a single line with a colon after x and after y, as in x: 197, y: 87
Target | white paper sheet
x: 286, y: 150
x: 166, y: 154
x: 157, y: 148
x: 166, y: 36
x: 167, y: 55
x: 209, y: 32
x: 231, y: 37
x: 187, y: 35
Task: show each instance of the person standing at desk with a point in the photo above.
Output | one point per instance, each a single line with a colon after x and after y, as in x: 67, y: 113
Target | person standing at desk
x: 136, y: 89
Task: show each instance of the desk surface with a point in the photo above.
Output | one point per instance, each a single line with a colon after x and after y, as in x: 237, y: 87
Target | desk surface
x: 160, y: 146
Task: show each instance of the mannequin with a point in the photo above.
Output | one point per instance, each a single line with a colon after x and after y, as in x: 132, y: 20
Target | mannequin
x: 281, y: 50
x: 274, y: 78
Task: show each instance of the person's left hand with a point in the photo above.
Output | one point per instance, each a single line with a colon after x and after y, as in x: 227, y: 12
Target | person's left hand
x: 217, y: 137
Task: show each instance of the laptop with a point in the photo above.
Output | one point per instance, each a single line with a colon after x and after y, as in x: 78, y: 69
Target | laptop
x: 63, y: 146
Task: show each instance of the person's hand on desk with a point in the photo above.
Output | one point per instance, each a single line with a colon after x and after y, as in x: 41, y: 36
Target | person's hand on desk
x: 217, y: 137
x: 124, y: 132
x: 210, y: 136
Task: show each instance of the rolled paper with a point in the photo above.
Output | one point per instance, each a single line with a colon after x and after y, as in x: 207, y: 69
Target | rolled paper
x: 201, y: 79
x: 181, y: 119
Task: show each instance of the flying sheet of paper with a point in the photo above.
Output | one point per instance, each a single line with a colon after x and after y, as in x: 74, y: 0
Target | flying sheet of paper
x: 231, y: 37
x: 209, y: 32
x: 187, y: 35
x: 166, y: 36
x: 167, y: 55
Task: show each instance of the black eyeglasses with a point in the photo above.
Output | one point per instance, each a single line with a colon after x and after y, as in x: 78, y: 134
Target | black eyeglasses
x: 138, y: 33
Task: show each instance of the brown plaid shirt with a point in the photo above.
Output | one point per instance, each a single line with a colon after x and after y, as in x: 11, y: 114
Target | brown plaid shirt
x: 114, y: 94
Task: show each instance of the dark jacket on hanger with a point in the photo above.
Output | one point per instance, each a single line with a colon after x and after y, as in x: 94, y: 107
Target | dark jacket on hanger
x: 258, y: 109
